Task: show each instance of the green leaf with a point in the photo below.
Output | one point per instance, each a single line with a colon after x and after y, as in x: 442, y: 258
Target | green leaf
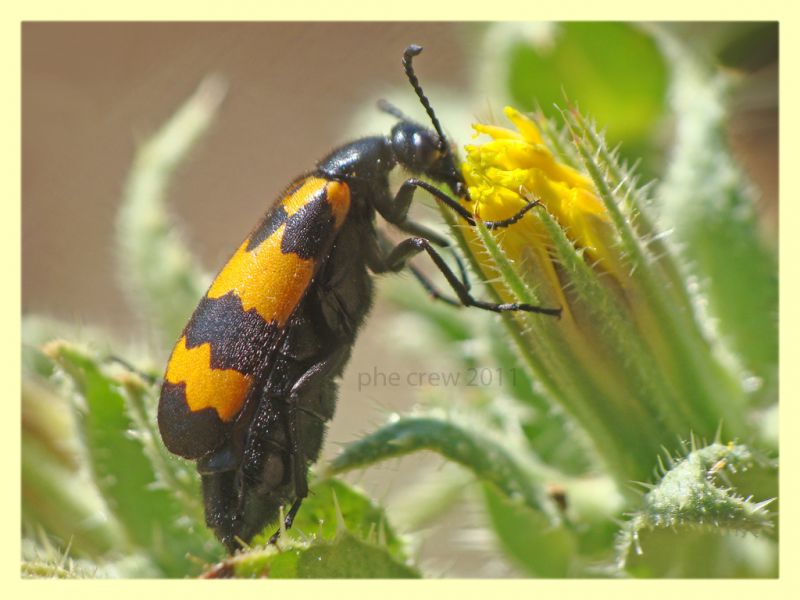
x: 333, y: 505
x: 463, y: 443
x: 349, y: 557
x: 527, y: 537
x: 262, y: 562
x: 689, y: 496
x: 614, y: 69
x: 150, y: 514
x: 704, y: 554
x: 65, y: 504
x: 58, y: 497
x: 345, y: 556
x: 339, y: 532
x: 711, y: 206
x: 161, y: 277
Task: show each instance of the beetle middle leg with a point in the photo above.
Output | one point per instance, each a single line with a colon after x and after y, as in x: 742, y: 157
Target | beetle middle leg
x: 398, y: 257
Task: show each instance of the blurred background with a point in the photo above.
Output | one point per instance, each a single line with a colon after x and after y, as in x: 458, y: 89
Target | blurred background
x: 92, y: 91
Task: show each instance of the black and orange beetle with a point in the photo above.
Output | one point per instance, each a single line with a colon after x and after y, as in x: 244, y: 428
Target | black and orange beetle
x: 251, y: 383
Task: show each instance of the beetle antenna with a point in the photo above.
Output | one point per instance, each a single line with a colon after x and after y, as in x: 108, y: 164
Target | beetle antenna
x: 391, y: 109
x: 408, y: 55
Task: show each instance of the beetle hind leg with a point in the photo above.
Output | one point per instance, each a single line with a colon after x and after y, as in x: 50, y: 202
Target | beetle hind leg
x: 298, y: 466
x: 288, y: 520
x: 316, y: 375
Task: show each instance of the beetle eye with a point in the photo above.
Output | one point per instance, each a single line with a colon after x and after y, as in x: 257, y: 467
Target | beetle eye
x: 415, y: 147
x: 426, y: 151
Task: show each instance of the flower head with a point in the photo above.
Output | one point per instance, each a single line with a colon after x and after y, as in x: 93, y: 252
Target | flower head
x: 628, y: 359
x: 517, y: 166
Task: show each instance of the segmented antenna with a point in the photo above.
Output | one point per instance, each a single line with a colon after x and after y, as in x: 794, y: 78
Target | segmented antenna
x: 408, y: 55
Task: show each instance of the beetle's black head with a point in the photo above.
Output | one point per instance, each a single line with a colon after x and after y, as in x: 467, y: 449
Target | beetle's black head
x: 417, y: 148
x: 423, y: 152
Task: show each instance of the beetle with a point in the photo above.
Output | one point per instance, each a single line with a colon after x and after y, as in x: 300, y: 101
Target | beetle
x: 250, y: 384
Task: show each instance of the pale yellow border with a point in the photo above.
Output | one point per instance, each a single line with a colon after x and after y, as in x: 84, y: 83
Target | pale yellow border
x: 785, y: 587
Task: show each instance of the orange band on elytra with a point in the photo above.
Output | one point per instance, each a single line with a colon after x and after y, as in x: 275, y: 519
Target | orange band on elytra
x: 265, y: 279
x: 224, y: 390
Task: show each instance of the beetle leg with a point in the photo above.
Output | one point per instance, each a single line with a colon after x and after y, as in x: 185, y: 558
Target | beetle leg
x: 288, y: 520
x: 397, y: 258
x: 381, y: 247
x: 431, y: 288
x: 317, y: 372
x: 402, y: 201
x: 377, y: 262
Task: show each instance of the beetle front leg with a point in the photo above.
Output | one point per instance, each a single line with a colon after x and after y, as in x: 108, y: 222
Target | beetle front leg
x: 398, y: 211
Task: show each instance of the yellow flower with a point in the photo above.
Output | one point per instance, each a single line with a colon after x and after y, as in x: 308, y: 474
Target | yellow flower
x: 628, y: 360
x: 515, y: 167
